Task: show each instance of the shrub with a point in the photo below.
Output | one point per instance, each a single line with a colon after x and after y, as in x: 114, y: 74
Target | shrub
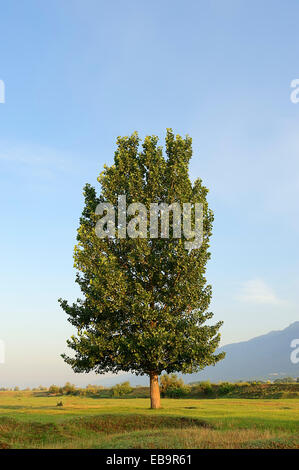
x: 177, y: 392
x: 121, y: 389
x: 225, y: 388
x: 171, y: 386
x: 54, y: 390
x: 93, y: 389
x: 69, y: 389
x: 207, y: 388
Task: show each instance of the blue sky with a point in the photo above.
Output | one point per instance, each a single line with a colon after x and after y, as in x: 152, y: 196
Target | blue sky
x: 79, y: 73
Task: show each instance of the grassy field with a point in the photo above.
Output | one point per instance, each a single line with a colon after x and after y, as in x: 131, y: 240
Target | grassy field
x: 30, y: 420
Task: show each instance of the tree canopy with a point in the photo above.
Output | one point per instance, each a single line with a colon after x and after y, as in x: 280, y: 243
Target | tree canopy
x: 145, y: 301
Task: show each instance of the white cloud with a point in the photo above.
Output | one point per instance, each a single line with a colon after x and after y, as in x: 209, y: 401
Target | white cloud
x: 257, y: 291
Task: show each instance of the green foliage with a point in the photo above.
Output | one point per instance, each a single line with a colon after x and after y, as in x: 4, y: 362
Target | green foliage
x: 225, y: 388
x: 173, y: 387
x: 145, y: 301
x: 206, y: 388
x: 54, y: 390
x: 244, y: 390
x: 122, y: 389
x: 69, y: 389
x: 91, y: 390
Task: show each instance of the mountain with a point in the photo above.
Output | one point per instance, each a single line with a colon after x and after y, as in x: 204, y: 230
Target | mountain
x: 264, y: 357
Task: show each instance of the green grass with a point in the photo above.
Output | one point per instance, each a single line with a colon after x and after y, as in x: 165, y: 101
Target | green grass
x: 28, y: 420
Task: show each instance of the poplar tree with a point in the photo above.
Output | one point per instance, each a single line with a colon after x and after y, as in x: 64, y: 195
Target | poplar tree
x: 145, y: 301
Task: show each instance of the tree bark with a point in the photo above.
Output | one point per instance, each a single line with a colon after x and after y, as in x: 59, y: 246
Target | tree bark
x: 154, y: 391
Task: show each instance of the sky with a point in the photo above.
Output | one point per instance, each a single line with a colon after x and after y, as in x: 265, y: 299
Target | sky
x: 77, y: 74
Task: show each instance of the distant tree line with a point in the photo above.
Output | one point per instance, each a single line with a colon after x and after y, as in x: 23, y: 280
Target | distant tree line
x: 173, y: 386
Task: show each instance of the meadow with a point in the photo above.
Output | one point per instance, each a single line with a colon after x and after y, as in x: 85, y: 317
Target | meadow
x: 33, y: 420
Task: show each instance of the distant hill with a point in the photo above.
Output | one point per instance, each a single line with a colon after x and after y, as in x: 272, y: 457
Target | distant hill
x: 263, y: 357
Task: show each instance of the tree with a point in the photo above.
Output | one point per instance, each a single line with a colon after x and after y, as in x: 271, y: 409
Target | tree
x: 121, y: 389
x: 68, y: 388
x: 145, y: 300
x: 54, y: 390
x: 172, y: 386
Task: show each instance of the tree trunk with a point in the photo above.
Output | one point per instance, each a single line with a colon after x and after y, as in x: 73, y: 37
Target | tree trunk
x: 154, y: 390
